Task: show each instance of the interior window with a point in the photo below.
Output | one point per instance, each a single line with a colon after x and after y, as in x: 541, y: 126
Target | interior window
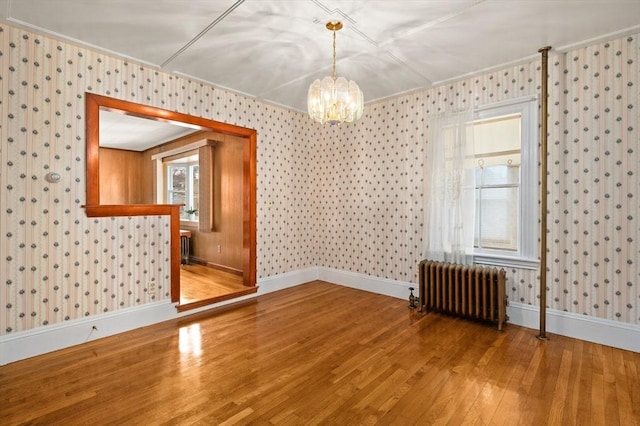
x: 505, y: 155
x: 182, y: 183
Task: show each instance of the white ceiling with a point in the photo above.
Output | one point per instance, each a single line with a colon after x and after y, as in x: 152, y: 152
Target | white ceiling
x: 122, y: 131
x: 274, y: 49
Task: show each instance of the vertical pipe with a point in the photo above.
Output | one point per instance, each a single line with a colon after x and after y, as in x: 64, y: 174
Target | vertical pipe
x: 543, y: 192
x: 422, y: 294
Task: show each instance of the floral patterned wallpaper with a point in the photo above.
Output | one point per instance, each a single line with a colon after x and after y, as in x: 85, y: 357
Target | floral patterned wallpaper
x: 347, y: 197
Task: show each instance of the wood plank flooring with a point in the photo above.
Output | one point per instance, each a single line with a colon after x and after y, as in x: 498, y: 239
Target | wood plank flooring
x: 324, y: 354
x: 198, y: 282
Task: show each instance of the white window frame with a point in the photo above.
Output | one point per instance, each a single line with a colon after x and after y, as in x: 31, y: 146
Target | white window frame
x: 526, y: 256
x: 189, y: 195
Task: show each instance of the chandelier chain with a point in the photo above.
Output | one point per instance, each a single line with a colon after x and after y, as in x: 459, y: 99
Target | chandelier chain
x: 334, y: 54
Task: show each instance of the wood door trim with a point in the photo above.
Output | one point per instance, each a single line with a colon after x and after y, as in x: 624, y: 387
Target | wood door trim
x: 93, y: 208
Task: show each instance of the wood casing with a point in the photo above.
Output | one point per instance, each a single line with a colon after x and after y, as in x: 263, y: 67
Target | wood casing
x: 94, y: 208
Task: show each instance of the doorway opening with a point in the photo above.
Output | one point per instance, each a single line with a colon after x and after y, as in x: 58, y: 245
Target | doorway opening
x: 200, y: 211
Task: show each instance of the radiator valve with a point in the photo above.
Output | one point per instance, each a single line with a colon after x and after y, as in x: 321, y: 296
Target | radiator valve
x: 412, y: 299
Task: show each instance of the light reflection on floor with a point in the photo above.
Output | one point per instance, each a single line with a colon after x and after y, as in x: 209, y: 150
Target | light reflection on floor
x: 190, y: 340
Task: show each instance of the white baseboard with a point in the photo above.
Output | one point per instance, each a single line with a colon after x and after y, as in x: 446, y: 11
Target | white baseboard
x: 41, y: 340
x: 286, y: 280
x: 38, y: 341
x: 393, y: 288
x: 597, y: 330
x: 606, y: 332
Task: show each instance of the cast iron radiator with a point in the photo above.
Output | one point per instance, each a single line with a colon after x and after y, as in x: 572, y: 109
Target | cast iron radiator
x: 468, y: 291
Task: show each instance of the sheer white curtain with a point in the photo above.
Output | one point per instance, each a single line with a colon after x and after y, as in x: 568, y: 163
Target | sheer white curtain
x: 450, y: 188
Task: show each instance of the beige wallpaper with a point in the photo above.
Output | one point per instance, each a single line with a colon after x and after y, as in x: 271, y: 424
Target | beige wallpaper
x: 346, y: 197
x: 56, y: 264
x: 369, y: 180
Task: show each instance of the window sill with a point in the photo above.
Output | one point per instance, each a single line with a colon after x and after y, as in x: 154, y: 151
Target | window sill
x: 506, y: 262
x: 189, y: 223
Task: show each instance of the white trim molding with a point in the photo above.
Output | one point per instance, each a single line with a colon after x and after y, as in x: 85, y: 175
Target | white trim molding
x: 385, y: 286
x: 286, y: 280
x: 605, y: 332
x: 38, y: 341
x: 591, y: 329
x: 41, y: 340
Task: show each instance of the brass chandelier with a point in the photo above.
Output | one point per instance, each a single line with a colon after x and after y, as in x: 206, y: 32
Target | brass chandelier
x: 335, y: 100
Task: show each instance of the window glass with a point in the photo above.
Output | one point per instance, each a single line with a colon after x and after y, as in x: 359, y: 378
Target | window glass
x: 505, y: 155
x: 183, y: 182
x: 497, y: 151
x: 177, y: 184
x: 497, y: 219
x: 195, y: 185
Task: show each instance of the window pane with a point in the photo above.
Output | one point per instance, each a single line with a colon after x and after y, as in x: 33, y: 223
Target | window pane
x: 505, y: 162
x: 183, y: 176
x: 177, y: 197
x: 195, y: 170
x: 498, y: 175
x: 177, y: 179
x: 498, y: 218
x: 498, y: 134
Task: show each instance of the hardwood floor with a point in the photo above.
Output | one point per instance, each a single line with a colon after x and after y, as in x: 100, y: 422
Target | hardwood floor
x: 198, y: 282
x: 324, y: 354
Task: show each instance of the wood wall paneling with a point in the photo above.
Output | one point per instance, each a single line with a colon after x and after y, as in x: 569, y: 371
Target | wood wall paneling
x: 223, y: 246
x: 219, y: 244
x: 206, y: 163
x: 122, y: 177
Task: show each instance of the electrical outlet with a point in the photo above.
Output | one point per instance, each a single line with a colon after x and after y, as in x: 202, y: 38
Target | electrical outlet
x: 219, y: 248
x: 152, y: 287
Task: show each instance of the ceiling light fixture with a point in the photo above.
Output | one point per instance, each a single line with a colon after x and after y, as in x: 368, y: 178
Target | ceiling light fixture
x: 334, y: 100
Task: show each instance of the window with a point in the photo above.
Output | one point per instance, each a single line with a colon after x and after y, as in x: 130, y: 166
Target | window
x: 506, y: 184
x: 183, y: 176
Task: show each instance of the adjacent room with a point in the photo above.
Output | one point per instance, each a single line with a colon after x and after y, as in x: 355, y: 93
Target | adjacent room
x: 319, y: 212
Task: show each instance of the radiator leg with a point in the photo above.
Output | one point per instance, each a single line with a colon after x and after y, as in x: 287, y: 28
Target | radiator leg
x: 184, y: 250
x: 412, y: 299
